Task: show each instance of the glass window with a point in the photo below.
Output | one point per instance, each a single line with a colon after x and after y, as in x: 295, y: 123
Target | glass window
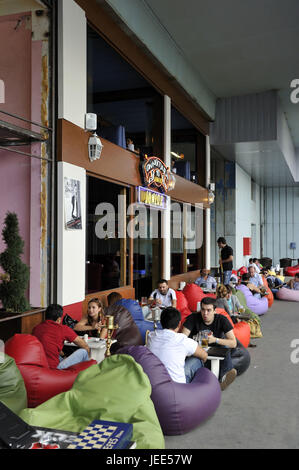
x: 106, y: 252
x: 147, y: 251
x: 186, y: 238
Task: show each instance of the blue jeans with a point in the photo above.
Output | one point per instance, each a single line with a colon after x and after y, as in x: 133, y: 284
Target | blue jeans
x: 80, y: 355
x: 226, y: 277
x: 225, y: 365
x: 192, y: 364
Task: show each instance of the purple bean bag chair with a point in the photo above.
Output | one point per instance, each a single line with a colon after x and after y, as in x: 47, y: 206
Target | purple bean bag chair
x: 258, y: 306
x: 179, y: 407
x: 288, y: 294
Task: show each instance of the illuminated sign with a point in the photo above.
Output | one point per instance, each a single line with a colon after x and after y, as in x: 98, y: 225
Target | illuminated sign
x: 155, y: 174
x: 151, y: 198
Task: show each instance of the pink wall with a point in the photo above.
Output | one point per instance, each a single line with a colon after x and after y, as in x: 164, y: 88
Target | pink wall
x: 20, y: 181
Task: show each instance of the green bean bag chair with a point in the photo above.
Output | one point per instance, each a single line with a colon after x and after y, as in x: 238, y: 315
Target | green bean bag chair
x: 115, y: 390
x: 12, y: 388
x: 243, y: 302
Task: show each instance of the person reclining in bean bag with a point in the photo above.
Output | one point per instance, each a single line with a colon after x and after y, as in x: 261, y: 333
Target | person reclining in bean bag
x: 205, y: 280
x: 181, y: 356
x: 127, y: 333
x: 255, y: 285
x: 293, y: 283
x: 52, y: 334
x: 222, y: 334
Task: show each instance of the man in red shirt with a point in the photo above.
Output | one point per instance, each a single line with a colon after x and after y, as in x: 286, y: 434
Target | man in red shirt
x: 52, y: 334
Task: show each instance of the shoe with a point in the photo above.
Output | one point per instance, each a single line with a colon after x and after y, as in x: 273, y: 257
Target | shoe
x: 228, y: 378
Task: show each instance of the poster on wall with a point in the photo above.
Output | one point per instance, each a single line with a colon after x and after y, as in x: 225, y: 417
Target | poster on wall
x: 72, y: 204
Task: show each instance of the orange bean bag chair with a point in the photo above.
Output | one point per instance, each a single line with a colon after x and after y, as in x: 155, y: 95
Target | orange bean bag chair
x: 182, y: 306
x: 193, y: 294
x: 241, y: 329
x: 270, y: 295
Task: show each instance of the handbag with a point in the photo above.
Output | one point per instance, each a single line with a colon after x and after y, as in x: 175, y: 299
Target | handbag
x: 255, y: 328
x: 69, y: 321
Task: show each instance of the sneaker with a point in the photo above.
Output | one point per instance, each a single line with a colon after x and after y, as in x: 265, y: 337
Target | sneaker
x: 228, y: 378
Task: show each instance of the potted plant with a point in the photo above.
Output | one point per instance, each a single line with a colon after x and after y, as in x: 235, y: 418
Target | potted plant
x: 12, y: 291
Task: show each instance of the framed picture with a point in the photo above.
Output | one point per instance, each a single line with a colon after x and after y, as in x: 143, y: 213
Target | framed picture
x: 72, y: 204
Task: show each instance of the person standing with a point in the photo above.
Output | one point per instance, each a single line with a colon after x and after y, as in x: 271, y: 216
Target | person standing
x: 225, y: 260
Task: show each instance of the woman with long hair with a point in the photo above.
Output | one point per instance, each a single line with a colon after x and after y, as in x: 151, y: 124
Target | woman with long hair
x: 93, y: 323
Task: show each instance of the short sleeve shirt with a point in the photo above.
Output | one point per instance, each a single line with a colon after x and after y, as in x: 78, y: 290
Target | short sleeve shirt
x: 52, y: 336
x: 166, y: 299
x: 172, y: 348
x: 225, y: 253
x: 219, y: 327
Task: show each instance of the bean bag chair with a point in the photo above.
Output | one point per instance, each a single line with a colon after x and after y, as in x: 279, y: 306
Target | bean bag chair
x: 258, y: 306
x: 179, y: 407
x: 193, y: 294
x: 136, y: 311
x: 242, y: 270
x: 288, y: 294
x: 182, y: 306
x: 41, y: 382
x: 270, y: 296
x: 12, y: 388
x: 117, y: 389
x: 240, y: 358
x: 291, y: 270
x: 241, y: 329
x: 127, y: 333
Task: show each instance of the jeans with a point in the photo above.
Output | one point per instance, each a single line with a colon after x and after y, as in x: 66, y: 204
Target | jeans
x: 192, y: 364
x: 80, y: 355
x: 226, y: 277
x: 225, y: 365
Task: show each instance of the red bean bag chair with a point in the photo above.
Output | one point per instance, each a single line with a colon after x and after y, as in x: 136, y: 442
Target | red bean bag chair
x: 291, y: 270
x: 241, y: 271
x: 241, y: 329
x: 193, y: 294
x: 41, y: 382
x: 270, y: 296
x: 182, y: 306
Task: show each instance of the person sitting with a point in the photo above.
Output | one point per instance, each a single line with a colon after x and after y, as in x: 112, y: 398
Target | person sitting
x: 221, y: 299
x: 293, y: 283
x: 256, y: 280
x: 232, y: 300
x: 205, y: 280
x: 127, y: 333
x: 163, y: 296
x: 181, y: 356
x: 222, y: 335
x: 93, y: 323
x: 257, y: 265
x: 52, y: 334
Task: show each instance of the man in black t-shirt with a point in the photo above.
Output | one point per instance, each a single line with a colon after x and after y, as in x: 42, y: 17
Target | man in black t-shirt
x: 222, y: 335
x: 226, y: 260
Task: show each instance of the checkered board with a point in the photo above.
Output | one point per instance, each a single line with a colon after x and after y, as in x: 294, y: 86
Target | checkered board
x: 103, y: 435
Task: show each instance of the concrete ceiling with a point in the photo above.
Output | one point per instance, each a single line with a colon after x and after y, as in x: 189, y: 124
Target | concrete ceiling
x: 238, y: 47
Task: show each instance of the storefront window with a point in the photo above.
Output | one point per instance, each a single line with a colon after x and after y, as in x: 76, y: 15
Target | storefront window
x: 147, y: 253
x: 186, y: 238
x: 26, y: 140
x: 107, y: 264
